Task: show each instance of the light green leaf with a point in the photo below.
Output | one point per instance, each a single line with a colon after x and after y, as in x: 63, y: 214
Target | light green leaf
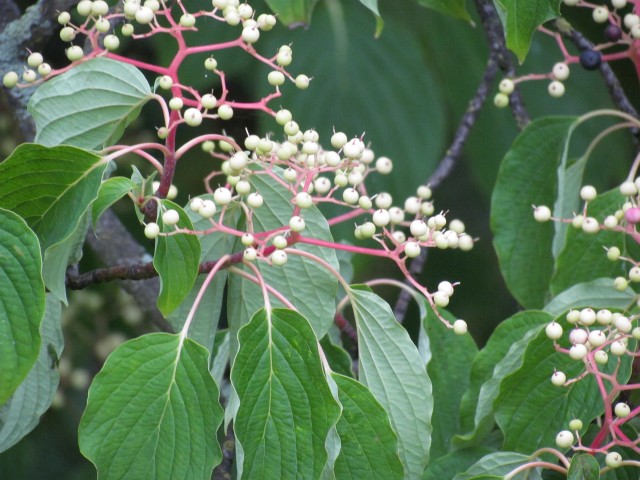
x: 497, y: 464
x: 391, y: 367
x: 501, y: 356
x: 286, y: 406
x: 599, y: 293
x: 455, y: 8
x: 369, y: 448
x: 528, y: 391
x: 33, y: 397
x: 50, y: 188
x: 153, y: 412
x: 583, y: 467
x: 110, y: 192
x: 449, y: 369
x: 306, y: 284
x: 176, y: 259
x: 90, y: 105
x: 293, y: 12
x: 528, y: 176
x: 22, y: 301
x: 521, y: 18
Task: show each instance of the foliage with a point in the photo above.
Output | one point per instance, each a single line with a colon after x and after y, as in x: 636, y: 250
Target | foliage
x: 275, y: 363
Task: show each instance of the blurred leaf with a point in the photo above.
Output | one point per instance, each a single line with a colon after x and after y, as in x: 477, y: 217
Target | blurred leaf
x: 528, y: 391
x: 176, y: 259
x: 584, y: 257
x: 583, y: 467
x: 496, y: 465
x: 33, y: 397
x: 22, y: 301
x: 528, y: 176
x: 449, y: 370
x: 452, y: 463
x: 90, y: 105
x: 373, y: 6
x: 391, y: 367
x: 501, y: 356
x: 293, y: 12
x: 455, y: 8
x: 521, y: 18
x: 338, y: 358
x: 286, y: 407
x: 599, y: 293
x: 110, y: 192
x: 308, y: 285
x: 153, y: 412
x: 369, y: 448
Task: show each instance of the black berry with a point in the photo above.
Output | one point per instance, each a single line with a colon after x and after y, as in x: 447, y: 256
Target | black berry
x: 590, y: 59
x: 613, y: 33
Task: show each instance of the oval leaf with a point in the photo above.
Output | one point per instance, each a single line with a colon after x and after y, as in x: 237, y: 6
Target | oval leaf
x: 110, y: 192
x: 455, y: 8
x: 153, y: 412
x: 391, y: 367
x: 90, y: 105
x: 22, y: 301
x: 495, y: 465
x: 599, y: 293
x: 583, y: 467
x: 286, y: 406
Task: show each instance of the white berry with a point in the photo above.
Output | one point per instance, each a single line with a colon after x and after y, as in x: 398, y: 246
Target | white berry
x: 151, y: 230
x: 564, y: 439
x: 170, y: 217
x: 460, y: 327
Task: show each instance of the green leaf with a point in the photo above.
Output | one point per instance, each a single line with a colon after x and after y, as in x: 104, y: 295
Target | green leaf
x: 306, y: 284
x: 153, y: 412
x: 528, y: 391
x: 369, y: 448
x: 293, y: 12
x: 286, y: 407
x: 110, y: 192
x: 391, y: 367
x: 22, y: 301
x: 495, y: 465
x: 372, y: 5
x: 452, y: 463
x: 501, y: 355
x: 528, y: 176
x: 521, y: 18
x: 338, y: 358
x: 90, y: 105
x: 219, y: 358
x: 449, y: 370
x: 176, y: 259
x: 455, y: 8
x: 213, y: 246
x: 599, y: 293
x: 50, y: 188
x: 584, y: 257
x: 33, y: 397
x: 583, y: 467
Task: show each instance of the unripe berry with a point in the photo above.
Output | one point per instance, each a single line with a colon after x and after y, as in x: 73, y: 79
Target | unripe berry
x: 208, y: 209
x: 243, y: 187
x: 575, y: 424
x: 573, y: 316
x: 365, y: 202
x: 291, y: 128
x: 10, y: 79
x: 302, y: 82
x: 564, y: 439
x: 621, y: 410
x: 628, y: 189
x: 279, y: 257
x: 578, y: 336
x: 102, y: 25
x: 418, y: 228
x: 84, y: 7
x: 144, y: 15
x: 170, y: 217
x: 412, y: 205
x: 297, y: 224
x: 542, y: 213
x: 127, y: 29
x: 600, y: 14
x: 506, y: 86
x: 238, y: 161
x: 588, y: 193
x: 67, y: 34
x: 368, y: 229
x: 303, y: 200
x: 440, y: 299
x: 111, y: 42
x: 601, y: 357
x: 255, y: 200
x: 210, y: 64
x: 176, y: 103
x: 250, y: 254
x: 620, y: 283
x: 195, y: 204
x: 613, y: 460
x: 399, y: 236
x: 397, y: 215
x: 222, y: 196
x: 460, y: 327
x: 619, y: 3
x: 556, y: 89
x: 74, y: 53
x: 558, y: 379
x: 383, y: 200
x: 276, y: 78
x: 618, y: 348
x: 590, y: 225
x: 35, y: 59
x: 283, y: 116
x: 192, y: 117
x: 560, y: 71
x: 412, y: 249
x: 64, y: 18
x: 384, y: 165
x: 623, y: 324
x: 501, y: 100
x: 187, y: 20
x: 578, y: 351
x: 381, y: 217
x: 554, y: 331
x: 465, y: 242
x: 597, y: 338
x: 172, y: 193
x: 151, y: 230
x: 290, y: 175
x: 610, y: 221
x: 350, y: 196
x: 225, y: 112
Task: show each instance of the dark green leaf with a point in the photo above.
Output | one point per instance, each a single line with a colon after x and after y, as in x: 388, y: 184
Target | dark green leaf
x: 528, y: 176
x: 293, y: 12
x: 455, y: 8
x: 22, y: 301
x: 153, y: 412
x: 176, y: 259
x: 496, y: 465
x: 599, y: 293
x: 110, y: 192
x: 391, y: 367
x: 521, y: 18
x: 90, y: 105
x: 449, y: 370
x: 339, y: 360
x: 369, y: 448
x: 33, y: 397
x: 455, y: 462
x: 286, y: 407
x: 584, y: 467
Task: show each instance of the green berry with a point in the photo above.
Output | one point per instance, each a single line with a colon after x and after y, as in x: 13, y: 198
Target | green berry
x: 225, y: 112
x: 151, y: 230
x: 10, y: 79
x: 613, y: 460
x: 412, y: 249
